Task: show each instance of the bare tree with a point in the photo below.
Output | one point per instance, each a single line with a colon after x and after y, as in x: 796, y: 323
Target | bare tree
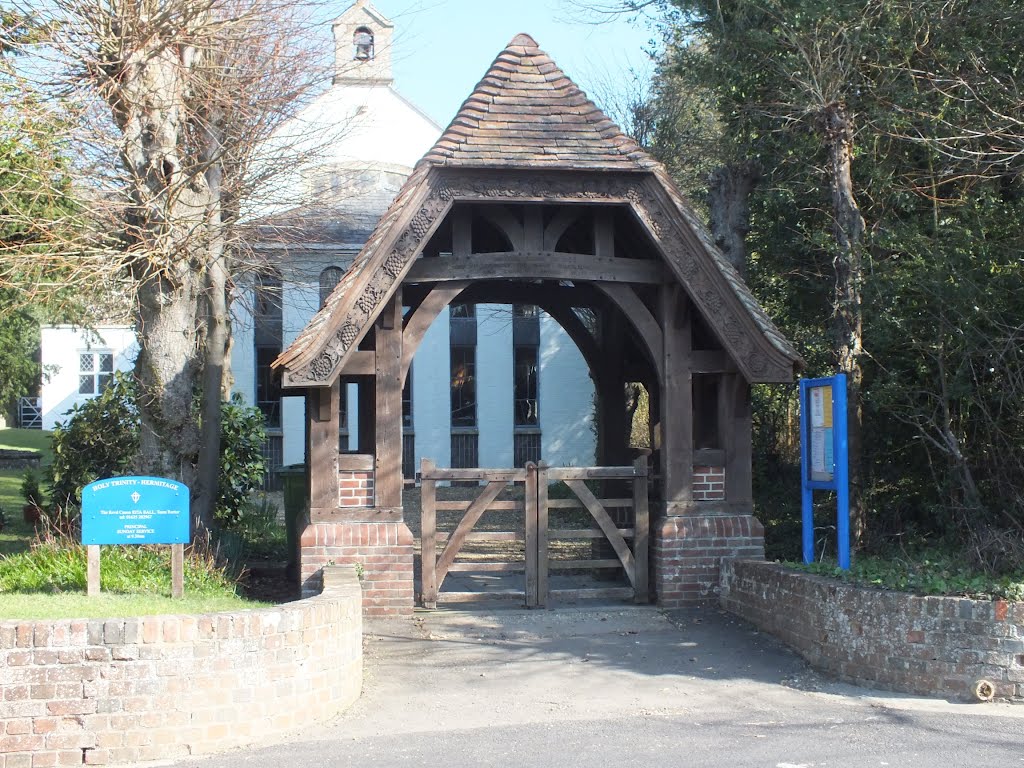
x: 183, y: 96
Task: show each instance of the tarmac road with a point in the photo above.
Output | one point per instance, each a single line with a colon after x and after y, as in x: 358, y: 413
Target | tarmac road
x: 622, y: 687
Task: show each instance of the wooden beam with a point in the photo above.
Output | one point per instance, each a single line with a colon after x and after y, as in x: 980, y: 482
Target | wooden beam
x: 734, y: 400
x: 641, y: 542
x: 533, y: 228
x: 322, y: 445
x: 366, y: 402
x: 537, y: 265
x: 611, y: 531
x: 558, y: 225
x: 502, y: 218
x: 458, y: 537
x: 388, y: 399
x: 359, y: 362
x: 428, y: 539
x: 676, y: 399
x: 462, y: 231
x: 713, y: 361
x: 355, y: 462
x: 92, y: 570
x: 604, y: 236
x: 647, y: 328
x: 419, y: 323
x: 177, y: 571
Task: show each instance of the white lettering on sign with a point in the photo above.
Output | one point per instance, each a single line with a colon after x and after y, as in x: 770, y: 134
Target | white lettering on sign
x: 161, y: 484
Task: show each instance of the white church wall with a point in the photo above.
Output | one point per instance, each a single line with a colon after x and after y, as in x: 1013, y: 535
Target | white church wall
x: 566, y: 394
x: 62, y: 347
x: 494, y: 372
x: 431, y: 394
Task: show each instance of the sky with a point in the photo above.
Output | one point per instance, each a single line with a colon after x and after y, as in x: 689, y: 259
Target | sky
x: 442, y: 48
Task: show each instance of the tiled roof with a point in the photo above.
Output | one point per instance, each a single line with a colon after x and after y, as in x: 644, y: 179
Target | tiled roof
x: 525, y: 111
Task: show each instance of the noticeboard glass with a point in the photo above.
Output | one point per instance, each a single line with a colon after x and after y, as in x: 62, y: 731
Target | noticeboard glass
x: 821, y: 466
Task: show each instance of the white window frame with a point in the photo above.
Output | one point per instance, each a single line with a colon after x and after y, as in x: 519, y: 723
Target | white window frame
x: 100, y: 379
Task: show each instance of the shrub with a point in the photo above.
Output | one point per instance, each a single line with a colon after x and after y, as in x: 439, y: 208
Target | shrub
x: 242, y: 464
x: 101, y: 439
x: 30, y: 488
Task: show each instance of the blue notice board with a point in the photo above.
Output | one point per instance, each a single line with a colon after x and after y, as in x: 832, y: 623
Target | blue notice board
x: 135, y: 510
x: 824, y: 458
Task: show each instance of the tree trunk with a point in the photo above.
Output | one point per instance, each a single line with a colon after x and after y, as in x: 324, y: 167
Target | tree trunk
x: 848, y: 229
x: 165, y: 372
x: 216, y: 338
x: 163, y: 234
x: 729, y: 189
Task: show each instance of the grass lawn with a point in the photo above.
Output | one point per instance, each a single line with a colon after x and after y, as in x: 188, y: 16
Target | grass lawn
x: 72, y: 605
x: 16, y: 536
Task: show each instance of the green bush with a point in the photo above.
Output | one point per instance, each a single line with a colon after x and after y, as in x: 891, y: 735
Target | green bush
x: 242, y: 464
x: 30, y: 488
x: 101, y: 439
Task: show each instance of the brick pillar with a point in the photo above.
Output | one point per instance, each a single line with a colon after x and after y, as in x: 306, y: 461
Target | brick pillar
x: 689, y: 542
x: 382, y: 550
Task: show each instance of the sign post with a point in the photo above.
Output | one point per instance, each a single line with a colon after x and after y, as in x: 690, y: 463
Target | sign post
x: 136, y: 510
x: 824, y: 458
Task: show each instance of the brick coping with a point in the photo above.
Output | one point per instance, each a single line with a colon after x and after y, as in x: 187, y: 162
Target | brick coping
x: 107, y: 691
x: 932, y: 646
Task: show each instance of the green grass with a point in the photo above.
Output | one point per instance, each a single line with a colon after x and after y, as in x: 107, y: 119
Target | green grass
x: 16, y: 535
x: 27, y: 440
x: 36, y: 605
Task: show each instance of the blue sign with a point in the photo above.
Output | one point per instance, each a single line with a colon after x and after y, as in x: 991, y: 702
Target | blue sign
x: 824, y: 458
x: 135, y: 510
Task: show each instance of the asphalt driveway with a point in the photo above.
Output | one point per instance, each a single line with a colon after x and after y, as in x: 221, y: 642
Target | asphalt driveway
x: 623, y: 687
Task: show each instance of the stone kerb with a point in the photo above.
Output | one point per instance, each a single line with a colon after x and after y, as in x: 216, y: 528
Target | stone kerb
x: 923, y: 645
x: 162, y: 687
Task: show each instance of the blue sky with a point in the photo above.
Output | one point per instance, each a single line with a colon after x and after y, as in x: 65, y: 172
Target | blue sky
x: 443, y: 47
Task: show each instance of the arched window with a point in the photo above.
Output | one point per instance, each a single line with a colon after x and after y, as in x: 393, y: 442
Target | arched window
x: 328, y: 279
x: 362, y: 40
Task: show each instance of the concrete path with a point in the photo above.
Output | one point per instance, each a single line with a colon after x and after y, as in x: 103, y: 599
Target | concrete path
x: 623, y: 687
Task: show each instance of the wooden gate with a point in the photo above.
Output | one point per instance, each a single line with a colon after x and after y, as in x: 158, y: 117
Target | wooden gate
x: 530, y: 495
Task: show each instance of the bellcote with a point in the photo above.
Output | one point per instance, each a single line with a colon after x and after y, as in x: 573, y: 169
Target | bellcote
x: 362, y: 46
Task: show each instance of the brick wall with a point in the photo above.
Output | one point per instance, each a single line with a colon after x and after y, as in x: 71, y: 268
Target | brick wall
x: 355, y: 488
x: 162, y: 687
x: 383, y: 551
x: 686, y: 551
x: 708, y: 483
x: 922, y: 645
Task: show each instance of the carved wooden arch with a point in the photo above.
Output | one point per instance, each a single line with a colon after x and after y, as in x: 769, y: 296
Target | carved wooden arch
x: 443, y: 294
x: 423, y: 317
x: 642, y: 320
x: 503, y: 220
x: 726, y: 304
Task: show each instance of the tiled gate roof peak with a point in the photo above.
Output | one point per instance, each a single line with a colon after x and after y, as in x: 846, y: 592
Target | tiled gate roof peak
x: 526, y: 112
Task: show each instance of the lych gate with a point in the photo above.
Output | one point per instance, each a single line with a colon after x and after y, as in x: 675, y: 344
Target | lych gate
x: 532, y: 196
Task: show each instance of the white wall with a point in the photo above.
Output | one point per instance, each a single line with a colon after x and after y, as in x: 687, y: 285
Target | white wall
x: 566, y: 399
x: 61, y: 346
x: 494, y: 372
x: 431, y: 395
